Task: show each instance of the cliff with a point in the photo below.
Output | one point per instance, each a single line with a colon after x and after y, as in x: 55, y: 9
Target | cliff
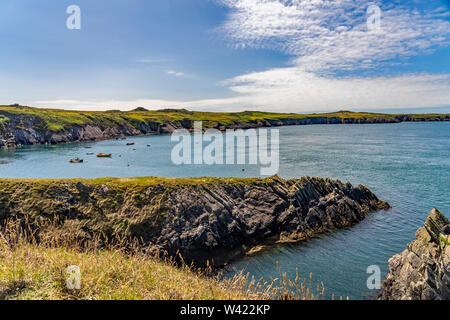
x: 204, y: 219
x: 422, y: 271
x: 29, y: 126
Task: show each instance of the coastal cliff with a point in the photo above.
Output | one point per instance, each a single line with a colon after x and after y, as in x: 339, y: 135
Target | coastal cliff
x: 205, y: 220
x: 422, y: 271
x: 21, y: 126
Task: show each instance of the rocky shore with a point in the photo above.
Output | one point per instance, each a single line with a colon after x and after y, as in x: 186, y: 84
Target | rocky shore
x: 206, y: 220
x: 422, y: 271
x: 32, y: 128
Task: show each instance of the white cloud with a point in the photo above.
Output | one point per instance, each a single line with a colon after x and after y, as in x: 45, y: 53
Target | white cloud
x: 327, y: 36
x: 324, y: 34
x: 323, y: 37
x: 175, y: 73
x: 154, y: 60
x: 294, y: 90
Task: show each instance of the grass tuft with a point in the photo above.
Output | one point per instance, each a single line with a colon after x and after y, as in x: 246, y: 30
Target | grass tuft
x: 35, y: 269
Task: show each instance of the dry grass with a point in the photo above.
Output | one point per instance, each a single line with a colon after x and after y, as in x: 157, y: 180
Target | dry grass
x: 37, y: 270
x: 31, y: 270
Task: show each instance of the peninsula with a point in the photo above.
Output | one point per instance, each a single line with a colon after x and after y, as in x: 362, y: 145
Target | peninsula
x: 20, y: 125
x: 206, y: 221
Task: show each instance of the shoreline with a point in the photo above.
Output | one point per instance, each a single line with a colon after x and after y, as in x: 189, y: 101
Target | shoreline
x: 23, y: 126
x: 208, y: 221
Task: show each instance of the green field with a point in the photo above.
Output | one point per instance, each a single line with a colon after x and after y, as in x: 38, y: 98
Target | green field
x: 58, y: 120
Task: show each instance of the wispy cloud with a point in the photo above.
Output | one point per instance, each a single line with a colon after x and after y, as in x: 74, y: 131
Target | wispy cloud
x: 175, y: 73
x: 323, y: 34
x: 293, y: 90
x: 323, y: 37
x: 154, y: 60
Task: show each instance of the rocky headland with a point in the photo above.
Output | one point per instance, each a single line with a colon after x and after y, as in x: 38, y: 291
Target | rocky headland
x: 205, y: 220
x: 21, y: 126
x: 422, y: 271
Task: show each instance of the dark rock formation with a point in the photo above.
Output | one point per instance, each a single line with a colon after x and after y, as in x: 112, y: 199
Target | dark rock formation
x: 214, y: 220
x: 422, y: 271
x: 24, y: 129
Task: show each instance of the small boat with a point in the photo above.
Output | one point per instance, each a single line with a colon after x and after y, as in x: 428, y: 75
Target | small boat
x: 149, y: 145
x: 104, y: 155
x: 89, y: 153
x: 76, y: 160
x: 131, y: 144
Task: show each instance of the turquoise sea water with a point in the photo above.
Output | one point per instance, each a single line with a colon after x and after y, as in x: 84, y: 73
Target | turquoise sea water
x: 406, y: 164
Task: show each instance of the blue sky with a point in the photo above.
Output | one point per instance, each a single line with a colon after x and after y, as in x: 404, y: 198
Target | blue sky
x: 216, y: 55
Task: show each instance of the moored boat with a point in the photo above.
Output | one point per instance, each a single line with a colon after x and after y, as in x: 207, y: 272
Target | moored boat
x: 104, y: 155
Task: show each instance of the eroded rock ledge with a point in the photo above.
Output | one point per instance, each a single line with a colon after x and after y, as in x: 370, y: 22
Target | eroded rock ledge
x: 205, y: 219
x: 422, y: 271
x: 23, y: 126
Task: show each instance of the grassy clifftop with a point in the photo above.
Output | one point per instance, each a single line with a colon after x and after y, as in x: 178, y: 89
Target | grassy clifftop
x: 117, y: 230
x: 58, y: 120
x: 208, y: 221
x: 30, y: 126
x: 38, y: 272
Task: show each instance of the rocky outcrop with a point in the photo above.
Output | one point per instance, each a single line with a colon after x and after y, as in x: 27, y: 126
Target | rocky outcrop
x: 22, y: 130
x: 29, y: 129
x: 204, y: 220
x: 422, y: 271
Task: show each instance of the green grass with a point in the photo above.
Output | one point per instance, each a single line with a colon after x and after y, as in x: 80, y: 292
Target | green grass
x: 443, y: 241
x: 135, y: 181
x: 111, y: 207
x: 58, y: 120
x: 99, y: 225
x: 3, y: 121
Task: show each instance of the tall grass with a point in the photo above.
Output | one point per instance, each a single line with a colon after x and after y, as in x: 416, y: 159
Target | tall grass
x: 34, y: 267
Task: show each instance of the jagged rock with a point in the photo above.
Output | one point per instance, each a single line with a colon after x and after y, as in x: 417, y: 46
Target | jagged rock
x: 216, y: 221
x: 422, y: 271
x: 23, y: 129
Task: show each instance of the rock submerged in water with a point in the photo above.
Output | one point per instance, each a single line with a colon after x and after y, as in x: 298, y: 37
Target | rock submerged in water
x: 210, y: 220
x: 422, y: 271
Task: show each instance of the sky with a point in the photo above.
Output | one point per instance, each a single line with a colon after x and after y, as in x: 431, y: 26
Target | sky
x: 227, y: 55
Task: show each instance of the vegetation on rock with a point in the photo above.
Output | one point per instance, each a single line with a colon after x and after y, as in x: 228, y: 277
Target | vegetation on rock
x: 422, y: 271
x: 21, y: 125
x: 206, y: 220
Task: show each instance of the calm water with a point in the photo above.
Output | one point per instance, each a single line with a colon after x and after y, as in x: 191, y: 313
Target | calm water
x: 405, y: 164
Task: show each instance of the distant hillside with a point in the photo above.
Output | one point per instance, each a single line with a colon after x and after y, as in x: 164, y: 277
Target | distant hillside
x: 21, y: 125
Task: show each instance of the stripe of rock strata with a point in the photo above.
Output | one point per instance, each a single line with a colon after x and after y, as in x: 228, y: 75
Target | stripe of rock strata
x: 422, y: 271
x: 214, y: 222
